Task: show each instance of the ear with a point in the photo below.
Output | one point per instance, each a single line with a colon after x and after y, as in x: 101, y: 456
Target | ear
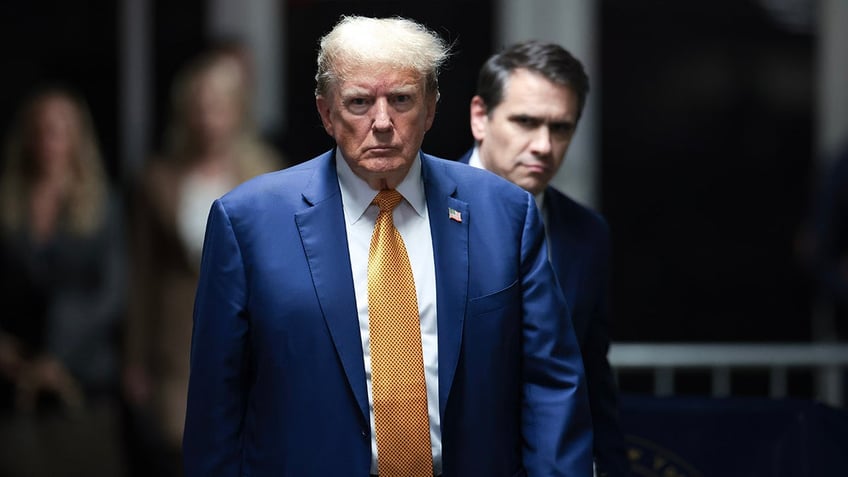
x: 323, y: 106
x: 432, y: 100
x: 479, y: 118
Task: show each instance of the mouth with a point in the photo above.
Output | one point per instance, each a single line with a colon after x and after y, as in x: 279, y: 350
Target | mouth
x: 380, y: 150
x: 536, y: 168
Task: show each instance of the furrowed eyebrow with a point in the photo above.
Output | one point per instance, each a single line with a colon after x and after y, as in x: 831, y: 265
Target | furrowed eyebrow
x: 405, y: 89
x: 354, y: 92
x: 526, y: 118
x: 538, y: 120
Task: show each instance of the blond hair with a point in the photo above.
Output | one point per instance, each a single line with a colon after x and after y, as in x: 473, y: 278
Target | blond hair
x: 219, y: 68
x: 87, y: 187
x: 397, y: 43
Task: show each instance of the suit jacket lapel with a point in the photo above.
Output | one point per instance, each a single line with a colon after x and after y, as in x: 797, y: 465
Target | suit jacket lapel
x: 324, y: 238
x: 450, y: 250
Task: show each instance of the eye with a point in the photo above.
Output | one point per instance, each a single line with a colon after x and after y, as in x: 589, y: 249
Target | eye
x: 526, y: 122
x: 562, y: 130
x: 357, y: 105
x: 402, y: 101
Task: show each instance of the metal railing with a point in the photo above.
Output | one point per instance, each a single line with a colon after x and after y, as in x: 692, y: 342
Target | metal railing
x: 828, y: 361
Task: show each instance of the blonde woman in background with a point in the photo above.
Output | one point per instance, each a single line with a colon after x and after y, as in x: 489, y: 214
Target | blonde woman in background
x: 211, y: 145
x: 62, y: 280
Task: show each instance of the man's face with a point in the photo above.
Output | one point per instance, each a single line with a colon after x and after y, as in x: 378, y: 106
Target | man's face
x: 525, y: 137
x: 378, y: 118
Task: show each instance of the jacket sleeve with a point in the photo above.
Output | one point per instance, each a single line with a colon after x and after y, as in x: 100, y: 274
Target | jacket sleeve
x: 556, y: 421
x: 217, y: 395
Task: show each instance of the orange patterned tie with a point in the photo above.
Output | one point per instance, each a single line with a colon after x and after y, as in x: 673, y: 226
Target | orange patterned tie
x: 397, y: 369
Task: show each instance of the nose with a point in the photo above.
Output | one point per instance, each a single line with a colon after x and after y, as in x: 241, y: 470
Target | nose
x: 540, y: 144
x: 382, y: 121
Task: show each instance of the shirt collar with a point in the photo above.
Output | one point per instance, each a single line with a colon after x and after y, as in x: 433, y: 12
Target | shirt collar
x: 357, y: 195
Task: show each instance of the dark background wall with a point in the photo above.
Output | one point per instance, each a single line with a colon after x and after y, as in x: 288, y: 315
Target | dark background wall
x: 178, y: 35
x: 706, y: 140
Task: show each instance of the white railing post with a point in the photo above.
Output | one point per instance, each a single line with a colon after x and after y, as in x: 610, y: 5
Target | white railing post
x: 721, y: 381
x: 778, y: 382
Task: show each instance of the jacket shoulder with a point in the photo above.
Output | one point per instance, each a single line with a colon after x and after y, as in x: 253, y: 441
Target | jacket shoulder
x: 573, y: 212
x: 280, y: 188
x: 473, y: 182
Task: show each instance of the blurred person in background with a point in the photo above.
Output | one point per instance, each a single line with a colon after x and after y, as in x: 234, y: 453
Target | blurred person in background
x: 211, y: 145
x: 62, y: 285
x: 529, y: 99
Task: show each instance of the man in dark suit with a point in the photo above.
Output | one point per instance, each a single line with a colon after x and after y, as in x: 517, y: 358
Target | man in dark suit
x: 529, y: 100
x: 284, y: 378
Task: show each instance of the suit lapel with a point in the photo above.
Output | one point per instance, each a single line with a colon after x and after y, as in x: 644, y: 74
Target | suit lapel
x: 324, y: 238
x: 450, y: 251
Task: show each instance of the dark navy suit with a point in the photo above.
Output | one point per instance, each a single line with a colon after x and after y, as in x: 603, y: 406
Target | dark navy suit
x: 579, y: 243
x: 278, y: 384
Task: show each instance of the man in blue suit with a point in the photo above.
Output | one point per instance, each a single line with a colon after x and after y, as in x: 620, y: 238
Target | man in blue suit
x: 529, y: 99
x: 281, y: 361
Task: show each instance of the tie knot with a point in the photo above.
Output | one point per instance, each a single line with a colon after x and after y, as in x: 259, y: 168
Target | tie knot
x: 387, y: 199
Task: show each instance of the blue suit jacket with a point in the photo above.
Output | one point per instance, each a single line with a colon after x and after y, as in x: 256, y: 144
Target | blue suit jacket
x: 277, y: 383
x: 579, y: 243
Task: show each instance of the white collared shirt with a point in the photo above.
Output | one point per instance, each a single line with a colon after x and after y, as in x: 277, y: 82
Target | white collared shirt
x: 413, y: 222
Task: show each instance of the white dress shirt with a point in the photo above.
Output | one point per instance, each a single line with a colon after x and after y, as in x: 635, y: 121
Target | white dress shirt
x: 412, y: 221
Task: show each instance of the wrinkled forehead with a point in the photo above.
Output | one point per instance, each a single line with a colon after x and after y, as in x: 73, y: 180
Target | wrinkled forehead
x: 378, y: 76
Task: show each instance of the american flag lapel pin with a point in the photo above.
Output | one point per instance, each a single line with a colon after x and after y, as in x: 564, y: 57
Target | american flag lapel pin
x: 454, y: 214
